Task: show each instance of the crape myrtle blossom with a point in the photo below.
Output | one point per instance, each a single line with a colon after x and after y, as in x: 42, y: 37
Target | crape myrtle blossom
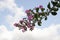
x: 24, y: 24
x: 37, y: 14
x: 27, y: 11
x: 40, y: 6
x: 30, y: 17
x: 21, y: 21
x: 17, y: 24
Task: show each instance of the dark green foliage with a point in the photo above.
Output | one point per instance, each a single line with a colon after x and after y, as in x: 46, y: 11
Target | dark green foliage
x: 56, y: 0
x: 54, y: 3
x: 55, y: 9
x: 36, y: 16
x: 45, y: 18
x: 48, y: 6
x: 32, y: 11
x: 39, y: 23
x: 42, y: 9
x: 34, y: 20
x: 37, y: 9
x: 53, y: 13
x: 58, y: 5
x: 43, y: 14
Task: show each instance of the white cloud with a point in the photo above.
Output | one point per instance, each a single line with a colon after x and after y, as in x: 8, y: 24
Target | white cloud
x: 49, y: 33
x: 18, y: 13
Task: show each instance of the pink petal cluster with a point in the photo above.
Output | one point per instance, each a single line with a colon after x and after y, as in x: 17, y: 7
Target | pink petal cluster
x: 27, y: 11
x: 21, y: 21
x: 28, y: 25
x: 30, y: 17
x: 24, y: 27
x: 16, y: 24
x: 40, y: 6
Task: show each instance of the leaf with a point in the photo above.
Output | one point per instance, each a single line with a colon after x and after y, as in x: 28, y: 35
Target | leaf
x: 32, y: 11
x: 43, y: 14
x: 56, y: 0
x: 49, y: 5
x: 55, y: 9
x: 37, y: 9
x: 53, y: 13
x: 45, y: 18
x: 42, y: 9
x: 36, y: 16
x: 47, y: 13
x: 58, y: 5
x: 39, y: 23
x: 34, y: 20
x: 54, y: 3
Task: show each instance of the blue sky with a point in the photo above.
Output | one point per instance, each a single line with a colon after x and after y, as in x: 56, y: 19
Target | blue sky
x: 12, y: 11
x: 29, y: 4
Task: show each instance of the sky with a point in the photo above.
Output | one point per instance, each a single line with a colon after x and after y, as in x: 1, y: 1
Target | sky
x: 12, y: 11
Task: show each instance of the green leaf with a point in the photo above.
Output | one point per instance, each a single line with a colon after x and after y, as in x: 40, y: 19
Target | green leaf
x: 47, y: 13
x: 36, y: 16
x: 56, y: 0
x: 39, y: 23
x: 58, y: 5
x: 43, y: 14
x: 53, y: 13
x: 42, y: 9
x: 37, y: 9
x: 34, y: 20
x: 55, y: 9
x: 49, y: 5
x: 54, y: 3
x: 45, y: 18
x: 32, y: 11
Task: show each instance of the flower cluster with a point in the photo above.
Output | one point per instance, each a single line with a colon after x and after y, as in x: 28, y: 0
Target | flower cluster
x: 24, y: 24
x: 28, y: 22
x: 36, y: 15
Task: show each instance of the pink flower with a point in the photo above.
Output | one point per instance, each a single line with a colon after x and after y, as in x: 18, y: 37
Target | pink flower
x: 23, y: 30
x: 28, y: 25
x: 30, y: 17
x: 27, y: 11
x: 40, y: 6
x: 16, y: 24
x: 21, y: 21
